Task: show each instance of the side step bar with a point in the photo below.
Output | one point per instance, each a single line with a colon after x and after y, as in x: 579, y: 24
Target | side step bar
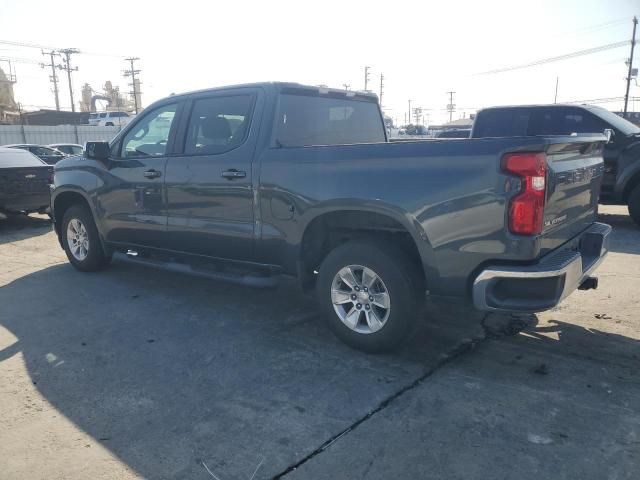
x: 238, y: 279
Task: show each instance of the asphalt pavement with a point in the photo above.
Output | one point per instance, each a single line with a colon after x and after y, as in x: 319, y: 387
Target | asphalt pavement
x: 139, y: 373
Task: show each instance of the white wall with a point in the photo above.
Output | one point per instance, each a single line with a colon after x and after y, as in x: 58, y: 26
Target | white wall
x: 44, y: 135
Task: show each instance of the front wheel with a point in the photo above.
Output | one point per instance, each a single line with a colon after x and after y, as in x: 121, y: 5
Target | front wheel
x: 81, y: 240
x: 634, y: 205
x: 369, y: 295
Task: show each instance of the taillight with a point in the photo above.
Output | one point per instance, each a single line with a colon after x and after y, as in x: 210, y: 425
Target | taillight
x: 527, y: 208
x: 50, y: 180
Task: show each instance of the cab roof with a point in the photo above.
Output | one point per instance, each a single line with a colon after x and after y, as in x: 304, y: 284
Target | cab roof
x: 284, y: 86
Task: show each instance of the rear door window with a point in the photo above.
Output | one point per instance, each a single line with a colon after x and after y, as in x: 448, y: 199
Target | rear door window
x: 305, y: 120
x: 218, y: 124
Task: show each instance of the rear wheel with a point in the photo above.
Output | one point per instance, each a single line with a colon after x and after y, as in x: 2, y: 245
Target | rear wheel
x: 81, y: 240
x: 369, y: 295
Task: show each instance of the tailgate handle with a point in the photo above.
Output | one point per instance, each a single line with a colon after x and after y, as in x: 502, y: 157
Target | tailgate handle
x: 152, y: 173
x: 233, y: 173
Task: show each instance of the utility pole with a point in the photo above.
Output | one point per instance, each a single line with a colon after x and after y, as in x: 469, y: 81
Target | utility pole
x: 53, y: 78
x: 366, y: 78
x: 67, y: 52
x: 346, y: 86
x: 451, y: 107
x: 381, y: 88
x: 417, y: 112
x: 409, y: 117
x: 555, y: 98
x: 633, y: 44
x: 132, y: 72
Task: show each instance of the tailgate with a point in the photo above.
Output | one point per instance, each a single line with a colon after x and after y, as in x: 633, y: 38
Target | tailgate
x: 574, y: 175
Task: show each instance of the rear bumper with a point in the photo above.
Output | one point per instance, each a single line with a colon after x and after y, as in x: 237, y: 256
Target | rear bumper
x: 541, y: 286
x: 28, y: 202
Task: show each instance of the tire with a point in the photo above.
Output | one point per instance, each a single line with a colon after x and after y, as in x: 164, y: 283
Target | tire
x: 89, y: 256
x: 398, y: 279
x: 634, y: 205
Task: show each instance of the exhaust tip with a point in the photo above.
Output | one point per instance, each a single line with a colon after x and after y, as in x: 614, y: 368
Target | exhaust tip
x: 589, y: 283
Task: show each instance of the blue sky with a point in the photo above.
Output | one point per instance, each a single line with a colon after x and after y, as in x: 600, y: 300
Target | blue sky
x: 423, y: 48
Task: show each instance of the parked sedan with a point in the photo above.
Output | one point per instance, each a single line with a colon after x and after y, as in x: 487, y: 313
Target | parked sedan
x: 49, y: 155
x: 68, y: 148
x: 24, y: 182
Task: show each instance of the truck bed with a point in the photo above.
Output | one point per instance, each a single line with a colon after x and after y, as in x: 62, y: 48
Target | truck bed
x: 453, y: 194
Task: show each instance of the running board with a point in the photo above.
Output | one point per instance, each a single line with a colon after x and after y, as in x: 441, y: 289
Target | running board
x: 238, y: 279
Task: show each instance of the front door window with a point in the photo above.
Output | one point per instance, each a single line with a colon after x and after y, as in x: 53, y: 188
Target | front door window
x: 149, y: 136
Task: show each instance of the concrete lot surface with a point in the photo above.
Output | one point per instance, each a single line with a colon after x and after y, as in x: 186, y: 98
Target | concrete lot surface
x: 139, y: 373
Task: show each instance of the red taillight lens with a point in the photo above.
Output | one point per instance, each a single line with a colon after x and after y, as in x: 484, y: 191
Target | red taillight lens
x: 527, y: 208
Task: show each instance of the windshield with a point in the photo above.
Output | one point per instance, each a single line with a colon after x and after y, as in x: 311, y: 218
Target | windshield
x: 616, y: 121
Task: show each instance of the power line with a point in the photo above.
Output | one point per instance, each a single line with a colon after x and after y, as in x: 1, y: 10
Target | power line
x: 566, y: 56
x: 27, y: 45
x: 591, y: 28
x: 20, y: 60
x: 49, y: 47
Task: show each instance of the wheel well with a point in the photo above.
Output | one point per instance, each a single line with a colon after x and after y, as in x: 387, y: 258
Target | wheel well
x: 63, y: 202
x: 330, y: 230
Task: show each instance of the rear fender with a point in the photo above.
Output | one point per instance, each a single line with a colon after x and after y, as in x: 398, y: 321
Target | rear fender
x: 406, y: 220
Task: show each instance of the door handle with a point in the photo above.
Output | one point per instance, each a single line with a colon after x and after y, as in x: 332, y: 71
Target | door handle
x: 152, y: 174
x: 233, y: 173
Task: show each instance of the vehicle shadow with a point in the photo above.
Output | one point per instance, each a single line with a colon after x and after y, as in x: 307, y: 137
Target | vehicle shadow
x: 20, y: 227
x: 169, y: 371
x: 626, y: 234
x: 590, y: 343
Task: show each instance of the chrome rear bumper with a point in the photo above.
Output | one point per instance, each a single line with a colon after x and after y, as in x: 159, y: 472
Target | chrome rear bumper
x: 539, y: 287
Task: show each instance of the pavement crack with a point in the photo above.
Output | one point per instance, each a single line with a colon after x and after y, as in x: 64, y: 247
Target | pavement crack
x: 462, y: 348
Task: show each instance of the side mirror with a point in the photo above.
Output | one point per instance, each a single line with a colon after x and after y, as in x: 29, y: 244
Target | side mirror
x: 610, y: 134
x: 97, y: 151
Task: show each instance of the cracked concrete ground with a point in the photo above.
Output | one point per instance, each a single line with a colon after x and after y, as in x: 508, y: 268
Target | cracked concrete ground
x: 136, y: 373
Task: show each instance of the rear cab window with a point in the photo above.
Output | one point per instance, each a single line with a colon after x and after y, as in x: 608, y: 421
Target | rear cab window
x: 306, y: 118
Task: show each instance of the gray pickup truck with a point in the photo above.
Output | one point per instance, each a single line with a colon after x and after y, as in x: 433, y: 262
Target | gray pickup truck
x: 248, y: 183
